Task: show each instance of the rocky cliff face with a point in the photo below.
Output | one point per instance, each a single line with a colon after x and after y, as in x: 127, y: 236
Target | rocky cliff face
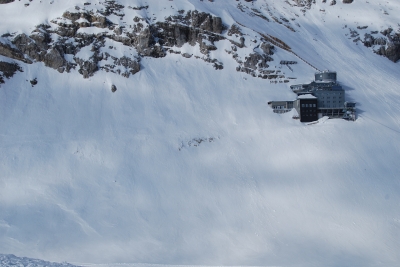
x: 151, y: 40
x: 7, y: 70
x: 85, y: 39
x: 60, y: 44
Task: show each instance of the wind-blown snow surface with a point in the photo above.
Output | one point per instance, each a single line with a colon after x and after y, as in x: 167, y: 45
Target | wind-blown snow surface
x: 12, y: 260
x: 91, y: 176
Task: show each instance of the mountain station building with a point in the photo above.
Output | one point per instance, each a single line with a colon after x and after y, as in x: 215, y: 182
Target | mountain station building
x: 322, y: 97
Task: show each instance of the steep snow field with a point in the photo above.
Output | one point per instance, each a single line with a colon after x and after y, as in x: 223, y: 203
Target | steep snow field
x: 88, y: 176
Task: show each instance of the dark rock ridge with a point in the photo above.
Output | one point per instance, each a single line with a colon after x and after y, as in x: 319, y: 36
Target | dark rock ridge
x: 7, y: 70
x: 387, y: 44
x: 6, y: 1
x: 306, y: 3
x: 193, y: 27
x: 66, y: 43
x: 256, y: 64
x: 151, y: 40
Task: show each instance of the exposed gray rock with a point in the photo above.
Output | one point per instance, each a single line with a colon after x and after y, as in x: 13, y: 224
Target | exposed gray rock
x: 6, y: 1
x: 144, y: 41
x: 347, y: 1
x: 33, y: 82
x: 7, y: 51
x: 42, y: 39
x: 111, y: 7
x: 393, y: 52
x: 368, y: 40
x: 387, y: 32
x: 205, y: 21
x: 388, y: 45
x: 8, y: 70
x: 118, y: 30
x: 92, y: 19
x: 303, y: 2
x: 381, y: 51
x: 218, y: 66
x: 267, y: 48
x: 31, y: 48
x: 255, y: 60
x: 234, y: 30
x: 54, y: 59
x: 379, y: 41
x: 131, y: 66
x: 87, y: 67
x: 113, y: 88
x: 149, y: 39
x: 169, y: 34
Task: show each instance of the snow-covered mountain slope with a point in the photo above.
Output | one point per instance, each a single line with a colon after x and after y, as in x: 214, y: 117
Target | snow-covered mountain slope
x: 185, y: 163
x: 12, y: 260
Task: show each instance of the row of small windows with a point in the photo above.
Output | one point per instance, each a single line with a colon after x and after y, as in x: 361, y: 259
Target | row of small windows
x: 309, y: 105
x: 330, y: 97
x: 279, y: 107
x: 334, y: 94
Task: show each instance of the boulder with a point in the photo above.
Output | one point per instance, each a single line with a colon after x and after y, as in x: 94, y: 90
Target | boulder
x: 9, y: 69
x: 267, y: 48
x: 132, y: 66
x: 87, y: 67
x: 393, y: 52
x: 29, y: 47
x: 255, y: 60
x: 54, y: 59
x: 7, y: 51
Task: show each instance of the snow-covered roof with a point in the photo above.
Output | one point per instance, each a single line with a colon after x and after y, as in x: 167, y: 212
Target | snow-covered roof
x: 306, y: 96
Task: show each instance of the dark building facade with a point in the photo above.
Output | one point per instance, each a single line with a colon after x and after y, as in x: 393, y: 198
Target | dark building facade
x: 307, y: 108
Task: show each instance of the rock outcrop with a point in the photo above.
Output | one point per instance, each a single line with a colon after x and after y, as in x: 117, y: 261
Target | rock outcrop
x: 388, y: 44
x: 7, y: 70
x: 392, y: 52
x: 149, y: 40
x: 6, y: 1
x: 10, y: 52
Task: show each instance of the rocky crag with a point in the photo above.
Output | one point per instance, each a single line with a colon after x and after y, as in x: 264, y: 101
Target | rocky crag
x: 84, y: 39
